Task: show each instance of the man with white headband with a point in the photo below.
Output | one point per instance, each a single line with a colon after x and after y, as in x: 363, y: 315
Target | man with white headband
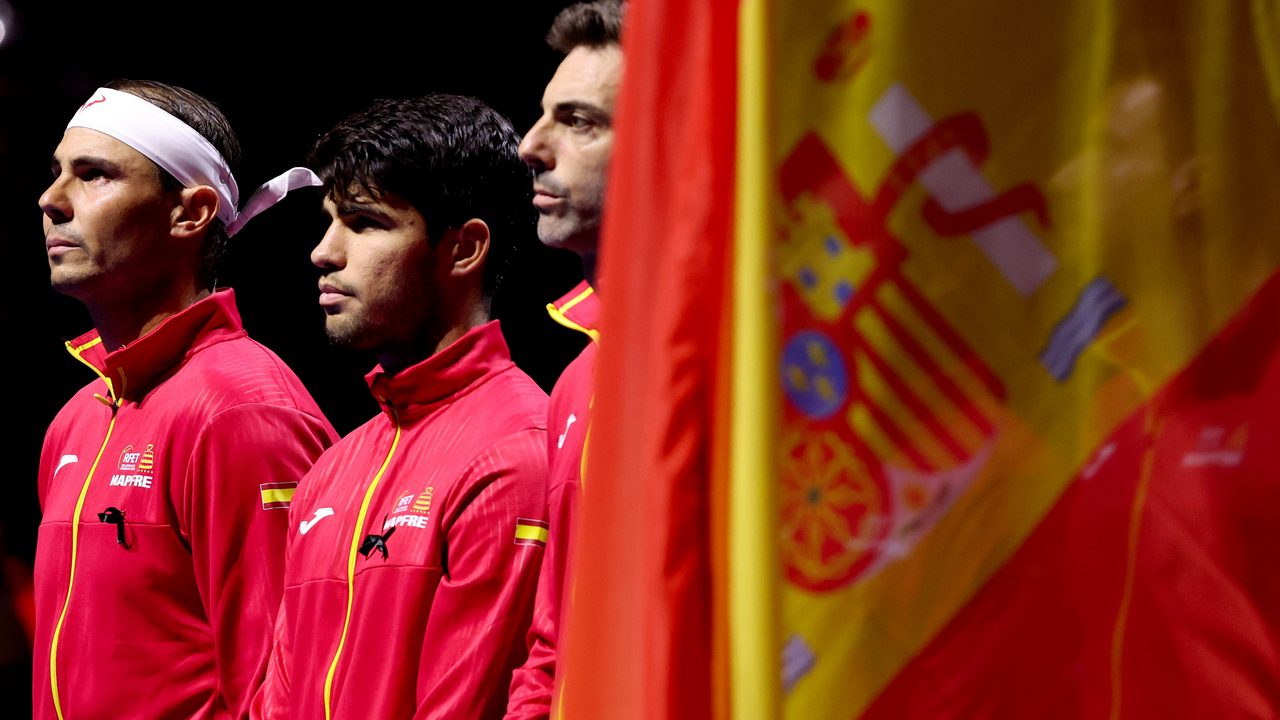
x: 165, y: 481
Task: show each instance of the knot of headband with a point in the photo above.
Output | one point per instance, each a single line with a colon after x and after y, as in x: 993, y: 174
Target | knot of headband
x: 183, y: 153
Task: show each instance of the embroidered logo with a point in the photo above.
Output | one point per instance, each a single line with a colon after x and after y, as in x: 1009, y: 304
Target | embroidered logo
x: 532, y: 532
x: 135, y: 467
x: 423, y: 503
x: 1216, y: 447
x: 410, y: 510
x: 65, y: 461
x: 568, y: 424
x: 305, y: 526
x: 277, y: 495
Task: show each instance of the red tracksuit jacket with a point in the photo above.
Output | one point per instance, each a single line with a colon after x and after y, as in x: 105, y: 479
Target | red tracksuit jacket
x: 160, y: 557
x: 569, y: 416
x: 415, y: 547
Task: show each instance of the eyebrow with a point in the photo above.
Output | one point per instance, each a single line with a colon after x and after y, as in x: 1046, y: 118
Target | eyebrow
x: 351, y: 207
x: 87, y: 161
x: 597, y: 113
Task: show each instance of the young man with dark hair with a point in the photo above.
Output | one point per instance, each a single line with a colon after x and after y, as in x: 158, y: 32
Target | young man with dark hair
x: 417, y: 538
x: 568, y: 149
x: 164, y: 482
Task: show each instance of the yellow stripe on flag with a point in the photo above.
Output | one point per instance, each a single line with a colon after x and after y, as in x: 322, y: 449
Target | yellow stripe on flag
x: 753, y: 572
x: 531, y: 532
x: 277, y: 495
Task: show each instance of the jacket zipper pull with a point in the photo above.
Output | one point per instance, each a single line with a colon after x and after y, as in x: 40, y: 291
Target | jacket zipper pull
x: 115, y: 516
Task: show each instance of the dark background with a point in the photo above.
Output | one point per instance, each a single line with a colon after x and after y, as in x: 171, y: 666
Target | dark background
x: 283, y: 76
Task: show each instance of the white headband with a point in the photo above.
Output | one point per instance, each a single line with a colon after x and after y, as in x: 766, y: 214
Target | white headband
x: 182, y: 152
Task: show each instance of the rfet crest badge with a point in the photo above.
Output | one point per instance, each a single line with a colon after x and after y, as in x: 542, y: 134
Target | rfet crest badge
x: 135, y: 467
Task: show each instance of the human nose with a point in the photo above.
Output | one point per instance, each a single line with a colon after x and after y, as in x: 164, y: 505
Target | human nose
x: 328, y: 254
x: 534, y: 148
x: 54, y: 202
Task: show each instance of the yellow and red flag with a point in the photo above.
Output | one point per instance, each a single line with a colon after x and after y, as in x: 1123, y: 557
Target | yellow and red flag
x: 940, y: 371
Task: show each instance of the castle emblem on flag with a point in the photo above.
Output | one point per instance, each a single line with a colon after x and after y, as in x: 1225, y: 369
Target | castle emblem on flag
x: 887, y: 414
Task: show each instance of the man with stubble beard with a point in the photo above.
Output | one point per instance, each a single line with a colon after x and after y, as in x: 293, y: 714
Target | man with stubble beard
x: 568, y: 149
x: 417, y: 538
x: 165, y: 481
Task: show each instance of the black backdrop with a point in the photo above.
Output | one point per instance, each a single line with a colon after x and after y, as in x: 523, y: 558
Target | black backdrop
x: 282, y: 75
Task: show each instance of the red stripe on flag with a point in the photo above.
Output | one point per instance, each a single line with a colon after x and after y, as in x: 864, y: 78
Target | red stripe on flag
x: 638, y: 635
x: 903, y: 392
x: 1199, y: 635
x: 918, y: 355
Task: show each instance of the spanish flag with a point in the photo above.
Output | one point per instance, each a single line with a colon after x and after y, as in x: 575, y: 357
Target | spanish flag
x: 940, y: 370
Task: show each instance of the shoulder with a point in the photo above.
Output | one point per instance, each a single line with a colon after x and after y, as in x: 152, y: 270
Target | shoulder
x: 523, y: 450
x: 510, y: 471
x: 576, y: 382
x: 84, y: 410
x: 354, y: 451
x: 239, y: 373
x: 511, y: 402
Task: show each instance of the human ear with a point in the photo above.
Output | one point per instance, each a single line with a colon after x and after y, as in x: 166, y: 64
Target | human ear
x: 470, y: 247
x: 197, y: 207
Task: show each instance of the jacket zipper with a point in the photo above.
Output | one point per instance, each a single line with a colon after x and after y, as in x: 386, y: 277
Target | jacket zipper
x: 356, y: 537
x: 114, y: 403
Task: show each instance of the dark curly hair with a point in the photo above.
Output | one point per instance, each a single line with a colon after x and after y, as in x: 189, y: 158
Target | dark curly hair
x: 591, y: 24
x: 451, y: 156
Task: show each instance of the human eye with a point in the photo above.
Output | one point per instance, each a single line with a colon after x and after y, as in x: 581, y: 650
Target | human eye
x: 577, y: 119
x: 361, y: 223
x: 90, y: 173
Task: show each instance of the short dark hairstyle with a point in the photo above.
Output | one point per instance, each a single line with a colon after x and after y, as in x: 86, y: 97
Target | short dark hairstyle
x: 451, y: 156
x: 205, y: 118
x: 590, y: 24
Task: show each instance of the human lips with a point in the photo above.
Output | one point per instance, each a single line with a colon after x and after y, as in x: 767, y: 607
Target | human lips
x: 58, y: 245
x: 544, y: 199
x: 331, y: 293
x: 548, y: 191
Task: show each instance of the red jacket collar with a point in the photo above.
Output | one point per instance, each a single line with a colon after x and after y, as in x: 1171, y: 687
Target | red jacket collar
x: 133, y: 370
x: 479, y: 354
x: 578, y: 310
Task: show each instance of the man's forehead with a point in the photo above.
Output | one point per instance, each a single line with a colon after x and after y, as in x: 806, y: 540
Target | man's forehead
x: 360, y: 198
x: 587, y: 74
x: 78, y: 142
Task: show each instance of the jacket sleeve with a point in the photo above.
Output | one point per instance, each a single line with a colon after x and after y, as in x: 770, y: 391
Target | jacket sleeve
x: 271, y: 701
x: 44, y: 473
x: 532, y: 684
x: 245, y: 464
x: 480, y: 613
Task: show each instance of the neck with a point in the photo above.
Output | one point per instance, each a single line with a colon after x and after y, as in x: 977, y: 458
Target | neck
x: 393, y: 360
x: 589, y: 266
x: 121, y: 323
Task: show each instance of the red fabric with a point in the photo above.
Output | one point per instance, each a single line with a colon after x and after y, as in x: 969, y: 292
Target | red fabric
x: 569, y: 420
x: 437, y: 626
x: 177, y: 622
x: 637, y: 637
x: 1202, y: 634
